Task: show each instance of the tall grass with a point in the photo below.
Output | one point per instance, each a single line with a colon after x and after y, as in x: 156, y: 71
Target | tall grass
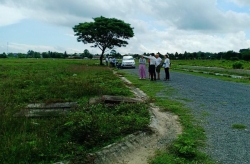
x: 69, y: 137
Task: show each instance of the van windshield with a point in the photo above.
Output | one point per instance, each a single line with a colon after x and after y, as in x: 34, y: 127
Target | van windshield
x: 127, y: 58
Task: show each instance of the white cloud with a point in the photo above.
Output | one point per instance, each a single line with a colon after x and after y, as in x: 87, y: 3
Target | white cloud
x: 196, y: 15
x: 159, y: 25
x: 17, y: 47
x: 241, y: 2
x: 12, y: 47
x: 9, y: 16
x: 174, y: 40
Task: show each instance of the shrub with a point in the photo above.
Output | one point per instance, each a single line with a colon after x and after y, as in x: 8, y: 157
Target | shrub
x: 234, y: 58
x: 185, y: 146
x: 246, y: 56
x: 237, y: 65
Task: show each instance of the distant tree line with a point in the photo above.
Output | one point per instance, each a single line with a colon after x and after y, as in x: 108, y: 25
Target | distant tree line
x: 50, y: 54
x: 243, y: 54
x: 33, y: 54
x: 3, y: 55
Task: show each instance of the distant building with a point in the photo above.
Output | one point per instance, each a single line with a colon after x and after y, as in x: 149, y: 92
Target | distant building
x: 97, y: 57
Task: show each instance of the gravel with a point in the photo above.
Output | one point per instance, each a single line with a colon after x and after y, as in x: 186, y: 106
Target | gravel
x: 218, y: 105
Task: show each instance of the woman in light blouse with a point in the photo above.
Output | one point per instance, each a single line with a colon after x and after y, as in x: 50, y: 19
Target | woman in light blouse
x: 142, y: 67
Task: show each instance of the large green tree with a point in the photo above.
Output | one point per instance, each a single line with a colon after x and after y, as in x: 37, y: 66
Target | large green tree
x: 104, y: 33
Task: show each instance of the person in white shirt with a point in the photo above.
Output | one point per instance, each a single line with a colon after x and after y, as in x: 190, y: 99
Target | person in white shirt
x: 152, y: 66
x: 110, y: 61
x: 166, y: 66
x: 158, y: 65
x: 107, y: 61
x: 113, y: 62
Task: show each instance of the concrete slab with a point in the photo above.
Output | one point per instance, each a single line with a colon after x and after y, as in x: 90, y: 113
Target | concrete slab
x: 46, y: 110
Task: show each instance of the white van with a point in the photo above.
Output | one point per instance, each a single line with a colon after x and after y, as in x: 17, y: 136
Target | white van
x: 128, y: 62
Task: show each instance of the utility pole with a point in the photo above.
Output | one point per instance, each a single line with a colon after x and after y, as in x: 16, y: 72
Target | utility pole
x: 7, y: 48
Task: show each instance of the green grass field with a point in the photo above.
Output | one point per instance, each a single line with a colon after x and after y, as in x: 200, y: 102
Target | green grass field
x: 89, y: 127
x: 220, y: 69
x: 68, y: 137
x: 211, y: 63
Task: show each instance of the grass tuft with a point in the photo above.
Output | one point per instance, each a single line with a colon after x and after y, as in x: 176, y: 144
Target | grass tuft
x: 239, y: 126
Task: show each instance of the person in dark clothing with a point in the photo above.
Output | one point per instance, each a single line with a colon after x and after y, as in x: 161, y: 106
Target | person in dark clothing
x: 166, y: 66
x: 152, y: 66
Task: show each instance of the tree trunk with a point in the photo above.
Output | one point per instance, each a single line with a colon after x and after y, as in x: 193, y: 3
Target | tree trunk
x: 101, y: 57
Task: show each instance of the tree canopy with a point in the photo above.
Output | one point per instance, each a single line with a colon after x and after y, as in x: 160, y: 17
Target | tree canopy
x: 104, y: 33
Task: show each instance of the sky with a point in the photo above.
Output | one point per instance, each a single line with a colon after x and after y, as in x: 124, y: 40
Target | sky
x: 165, y: 26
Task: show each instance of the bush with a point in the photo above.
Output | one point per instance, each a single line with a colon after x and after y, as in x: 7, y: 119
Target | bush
x: 185, y: 146
x: 3, y: 56
x: 234, y: 58
x: 246, y: 56
x: 237, y: 65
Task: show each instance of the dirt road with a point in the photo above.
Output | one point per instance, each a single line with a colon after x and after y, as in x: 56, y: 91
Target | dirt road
x: 218, y: 105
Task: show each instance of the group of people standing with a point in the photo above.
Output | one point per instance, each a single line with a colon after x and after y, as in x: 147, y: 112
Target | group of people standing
x: 110, y: 61
x: 155, y: 64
